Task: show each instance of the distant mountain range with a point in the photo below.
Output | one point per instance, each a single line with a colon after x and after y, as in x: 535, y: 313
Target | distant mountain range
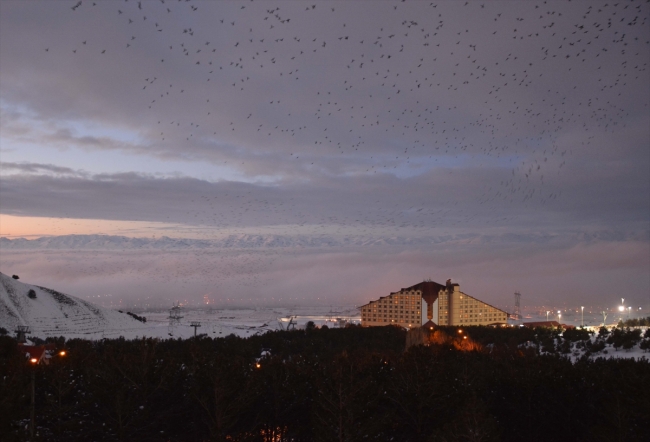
x: 245, y: 241
x: 51, y: 313
x: 108, y: 242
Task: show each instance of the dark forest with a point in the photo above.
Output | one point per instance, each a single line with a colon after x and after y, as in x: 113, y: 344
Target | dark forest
x: 328, y: 385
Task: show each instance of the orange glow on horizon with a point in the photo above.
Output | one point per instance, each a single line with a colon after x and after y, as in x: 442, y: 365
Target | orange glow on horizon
x: 31, y: 227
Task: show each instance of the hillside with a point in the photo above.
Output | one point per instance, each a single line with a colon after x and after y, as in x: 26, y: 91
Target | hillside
x: 51, y: 313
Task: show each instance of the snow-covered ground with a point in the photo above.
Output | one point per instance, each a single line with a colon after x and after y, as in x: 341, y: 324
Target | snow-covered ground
x: 49, y: 313
x: 611, y: 352
x: 244, y: 322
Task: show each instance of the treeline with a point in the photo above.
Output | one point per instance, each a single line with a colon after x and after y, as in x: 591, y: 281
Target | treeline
x: 134, y: 316
x: 352, y: 384
x: 636, y: 322
x: 575, y: 342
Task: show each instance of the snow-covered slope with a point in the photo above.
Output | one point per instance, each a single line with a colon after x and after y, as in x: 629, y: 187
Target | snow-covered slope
x: 50, y: 313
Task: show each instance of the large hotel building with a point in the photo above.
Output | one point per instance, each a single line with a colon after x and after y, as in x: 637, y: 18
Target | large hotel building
x: 430, y: 302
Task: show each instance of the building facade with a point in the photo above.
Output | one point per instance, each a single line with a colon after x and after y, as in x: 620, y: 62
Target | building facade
x: 430, y: 302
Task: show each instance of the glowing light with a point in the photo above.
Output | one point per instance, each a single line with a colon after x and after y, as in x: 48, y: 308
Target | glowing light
x: 62, y: 353
x: 33, y: 360
x: 621, y: 308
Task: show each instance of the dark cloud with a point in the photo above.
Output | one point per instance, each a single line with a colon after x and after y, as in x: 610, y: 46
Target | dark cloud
x: 38, y: 168
x: 456, y: 201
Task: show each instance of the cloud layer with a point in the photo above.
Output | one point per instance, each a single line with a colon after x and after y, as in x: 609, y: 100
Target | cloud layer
x: 501, y: 129
x: 551, y: 274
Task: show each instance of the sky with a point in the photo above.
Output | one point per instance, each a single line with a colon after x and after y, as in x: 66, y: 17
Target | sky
x: 326, y: 152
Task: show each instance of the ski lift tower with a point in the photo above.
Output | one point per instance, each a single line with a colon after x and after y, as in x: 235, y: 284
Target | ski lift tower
x: 195, y: 324
x: 291, y: 325
x: 175, y: 316
x: 21, y: 331
x: 517, y: 313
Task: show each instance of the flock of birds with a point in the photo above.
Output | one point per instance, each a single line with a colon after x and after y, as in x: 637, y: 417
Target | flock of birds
x: 297, y: 90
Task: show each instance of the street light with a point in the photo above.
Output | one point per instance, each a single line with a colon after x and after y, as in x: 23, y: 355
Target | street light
x: 547, y: 312
x: 629, y: 313
x: 559, y: 316
x: 583, y: 316
x: 32, y: 413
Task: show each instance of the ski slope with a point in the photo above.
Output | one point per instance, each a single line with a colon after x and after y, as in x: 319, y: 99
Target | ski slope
x: 51, y: 313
